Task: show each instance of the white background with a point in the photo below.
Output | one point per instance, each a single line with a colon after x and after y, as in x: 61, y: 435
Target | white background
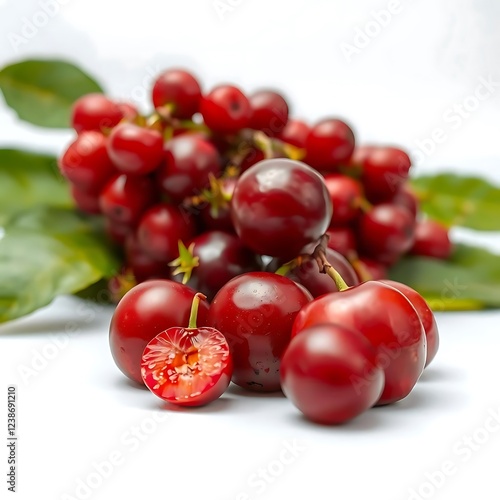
x: 77, y: 410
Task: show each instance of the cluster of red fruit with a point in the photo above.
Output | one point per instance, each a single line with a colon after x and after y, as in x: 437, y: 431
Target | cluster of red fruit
x: 207, y: 195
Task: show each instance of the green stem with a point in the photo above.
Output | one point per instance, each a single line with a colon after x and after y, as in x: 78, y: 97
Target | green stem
x: 194, y: 310
x: 339, y: 281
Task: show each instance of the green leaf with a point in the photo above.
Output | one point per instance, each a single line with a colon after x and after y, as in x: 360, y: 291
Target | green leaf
x: 469, y: 280
x: 47, y: 252
x: 28, y: 180
x: 460, y: 201
x: 42, y: 91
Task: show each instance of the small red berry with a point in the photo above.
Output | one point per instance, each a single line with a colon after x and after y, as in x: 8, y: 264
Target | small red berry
x: 86, y: 162
x: 125, y: 198
x: 295, y: 133
x: 329, y: 145
x: 179, y: 90
x: 134, y: 149
x: 95, y: 112
x: 226, y: 110
x: 269, y: 112
x: 160, y: 230
x: 432, y: 240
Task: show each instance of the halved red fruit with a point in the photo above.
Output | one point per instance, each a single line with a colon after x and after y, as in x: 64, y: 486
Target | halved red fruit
x: 187, y: 366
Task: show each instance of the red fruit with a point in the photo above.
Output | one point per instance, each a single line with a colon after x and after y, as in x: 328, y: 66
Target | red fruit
x: 226, y: 110
x: 346, y: 194
x: 425, y: 314
x: 330, y: 373
x: 375, y: 270
x: 134, y: 149
x: 117, y: 233
x: 216, y: 213
x: 295, y: 133
x: 213, y: 258
x: 86, y: 162
x: 144, y: 312
x: 95, y: 112
x: 86, y: 202
x: 254, y: 156
x: 308, y: 275
x: 179, y: 90
x: 405, y: 197
x: 386, y: 232
x: 329, y: 145
x: 269, y: 112
x: 342, y: 240
x: 387, y: 319
x: 125, y: 198
x: 255, y: 312
x: 129, y: 111
x: 160, y: 230
x: 359, y: 155
x: 384, y: 171
x: 432, y: 240
x: 142, y: 266
x: 188, y: 366
x: 189, y: 161
x: 279, y: 206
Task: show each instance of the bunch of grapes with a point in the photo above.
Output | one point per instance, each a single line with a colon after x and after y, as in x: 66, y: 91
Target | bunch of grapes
x: 209, y: 183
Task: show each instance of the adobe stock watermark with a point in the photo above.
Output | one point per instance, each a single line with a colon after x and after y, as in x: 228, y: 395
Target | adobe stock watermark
x: 462, y: 452
x: 261, y: 479
x: 454, y: 116
x: 40, y: 359
x: 223, y: 7
x: 129, y: 442
x: 364, y: 35
x: 142, y: 91
x: 31, y: 25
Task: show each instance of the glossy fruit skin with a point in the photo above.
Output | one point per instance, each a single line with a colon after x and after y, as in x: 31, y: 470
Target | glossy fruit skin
x: 160, y: 229
x: 95, y: 112
x: 384, y: 171
x: 255, y: 312
x: 226, y: 110
x: 144, y: 312
x: 86, y: 162
x: 387, y: 319
x: 86, y: 202
x: 180, y: 89
x: 269, y: 112
x: 329, y: 145
x: 342, y: 240
x: 432, y: 240
x: 197, y: 362
x: 386, y: 232
x: 295, y: 133
x: 135, y: 150
x: 222, y: 257
x: 188, y: 162
x: 426, y: 316
x: 331, y: 374
x: 279, y: 206
x: 308, y: 275
x: 142, y: 265
x: 125, y: 198
x: 345, y: 194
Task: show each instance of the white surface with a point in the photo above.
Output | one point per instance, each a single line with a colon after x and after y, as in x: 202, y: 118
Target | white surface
x: 76, y: 409
x: 79, y: 410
